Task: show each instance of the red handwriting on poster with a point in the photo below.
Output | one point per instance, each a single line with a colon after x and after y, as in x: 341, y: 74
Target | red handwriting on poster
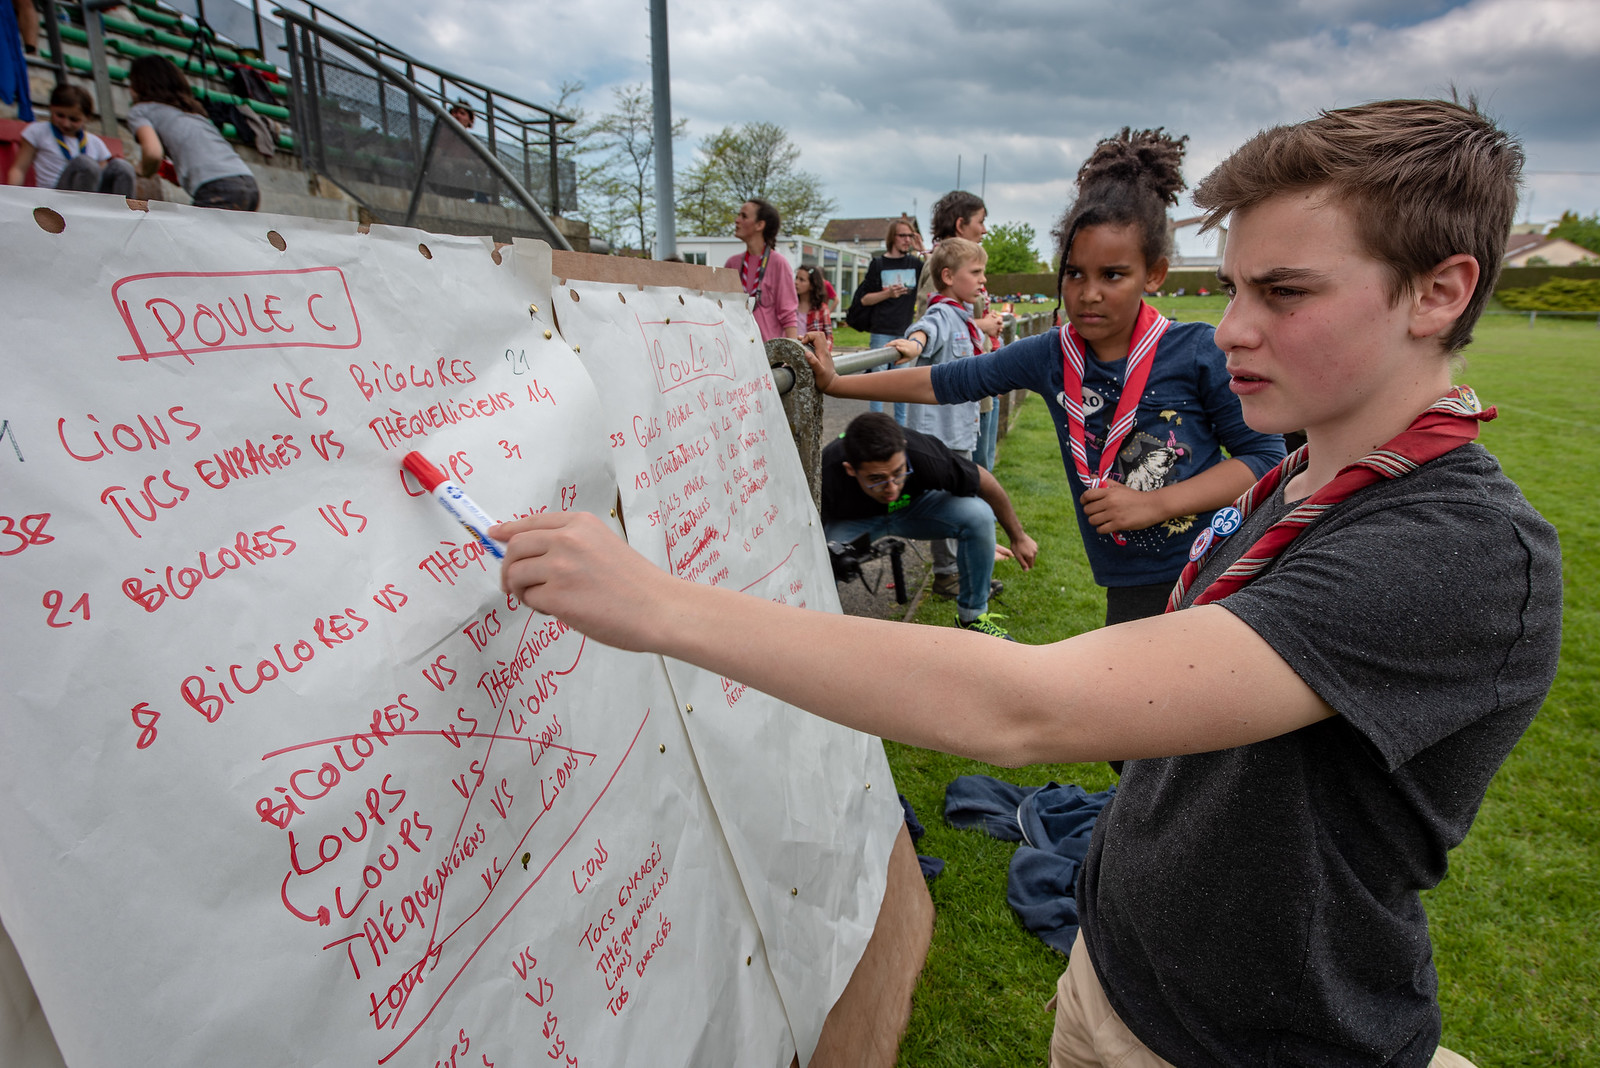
x: 180, y: 313
x: 680, y: 351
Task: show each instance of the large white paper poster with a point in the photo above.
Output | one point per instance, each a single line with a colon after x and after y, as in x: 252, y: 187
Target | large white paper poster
x: 285, y: 778
x: 713, y: 491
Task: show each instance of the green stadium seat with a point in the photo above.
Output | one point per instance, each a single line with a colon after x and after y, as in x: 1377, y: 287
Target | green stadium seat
x: 81, y: 65
x: 112, y: 24
x: 161, y: 18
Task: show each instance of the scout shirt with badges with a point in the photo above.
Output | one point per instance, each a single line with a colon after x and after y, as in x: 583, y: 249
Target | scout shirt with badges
x: 952, y: 336
x: 1184, y: 419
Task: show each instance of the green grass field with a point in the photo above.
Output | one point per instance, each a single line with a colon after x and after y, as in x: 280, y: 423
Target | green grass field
x: 1514, y: 925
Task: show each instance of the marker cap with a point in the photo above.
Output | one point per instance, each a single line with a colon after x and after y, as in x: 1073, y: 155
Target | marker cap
x: 425, y: 472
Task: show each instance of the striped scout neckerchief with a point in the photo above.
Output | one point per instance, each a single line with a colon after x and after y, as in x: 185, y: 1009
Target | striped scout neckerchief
x: 1147, y: 331
x: 1448, y: 423
x: 966, y: 317
x: 752, y: 283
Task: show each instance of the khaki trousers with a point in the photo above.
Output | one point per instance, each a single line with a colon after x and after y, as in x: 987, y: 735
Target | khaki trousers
x: 1089, y: 1034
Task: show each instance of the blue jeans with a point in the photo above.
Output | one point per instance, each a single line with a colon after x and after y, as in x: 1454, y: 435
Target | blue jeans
x: 878, y: 341
x: 988, y: 434
x: 934, y: 515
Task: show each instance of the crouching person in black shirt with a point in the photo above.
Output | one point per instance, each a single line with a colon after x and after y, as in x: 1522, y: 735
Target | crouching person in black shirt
x: 882, y: 480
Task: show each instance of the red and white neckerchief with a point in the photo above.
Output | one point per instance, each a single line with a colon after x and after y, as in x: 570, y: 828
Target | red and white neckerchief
x: 966, y: 317
x: 1147, y: 331
x: 1448, y: 423
x: 752, y: 283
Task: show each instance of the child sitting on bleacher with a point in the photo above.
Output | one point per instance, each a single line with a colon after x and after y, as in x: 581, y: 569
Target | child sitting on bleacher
x: 64, y: 155
x: 167, y: 120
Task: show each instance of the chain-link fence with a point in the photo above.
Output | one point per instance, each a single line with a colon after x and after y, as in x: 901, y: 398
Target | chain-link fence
x: 369, y: 129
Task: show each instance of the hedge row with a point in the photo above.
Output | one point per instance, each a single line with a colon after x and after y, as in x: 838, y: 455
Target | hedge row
x: 1193, y: 279
x: 1556, y: 294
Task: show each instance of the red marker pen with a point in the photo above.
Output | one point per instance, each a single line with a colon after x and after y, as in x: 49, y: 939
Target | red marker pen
x: 455, y: 501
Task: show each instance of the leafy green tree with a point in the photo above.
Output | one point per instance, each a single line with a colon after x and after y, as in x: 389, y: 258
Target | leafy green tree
x: 619, y: 179
x: 754, y: 160
x: 1010, y: 249
x: 1583, y: 231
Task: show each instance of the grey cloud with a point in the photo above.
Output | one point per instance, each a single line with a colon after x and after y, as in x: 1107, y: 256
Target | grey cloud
x: 882, y: 98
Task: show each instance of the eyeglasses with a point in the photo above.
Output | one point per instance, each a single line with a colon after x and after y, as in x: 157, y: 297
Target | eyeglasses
x: 890, y: 479
x: 907, y: 234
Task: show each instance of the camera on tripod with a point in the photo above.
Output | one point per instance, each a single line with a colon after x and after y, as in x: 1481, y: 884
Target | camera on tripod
x: 848, y: 557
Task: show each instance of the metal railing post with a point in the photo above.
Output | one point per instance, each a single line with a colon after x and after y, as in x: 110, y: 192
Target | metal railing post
x: 297, y: 114
x: 316, y: 141
x: 555, y: 172
x: 52, y: 32
x: 416, y: 119
x: 97, y: 63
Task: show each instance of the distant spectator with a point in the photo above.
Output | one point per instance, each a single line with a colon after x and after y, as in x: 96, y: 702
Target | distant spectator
x: 813, y: 313
x: 889, y: 291
x: 764, y: 272
x: 168, y: 121
x: 27, y: 25
x: 962, y: 214
x: 64, y: 155
x: 14, y: 40
x: 456, y: 161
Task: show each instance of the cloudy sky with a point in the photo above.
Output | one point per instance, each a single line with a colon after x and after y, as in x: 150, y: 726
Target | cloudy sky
x: 883, y: 97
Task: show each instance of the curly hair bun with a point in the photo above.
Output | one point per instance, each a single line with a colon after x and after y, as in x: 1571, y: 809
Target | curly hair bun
x: 1147, y: 157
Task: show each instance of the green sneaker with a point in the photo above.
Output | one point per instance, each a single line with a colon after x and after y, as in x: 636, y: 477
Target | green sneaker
x: 985, y: 624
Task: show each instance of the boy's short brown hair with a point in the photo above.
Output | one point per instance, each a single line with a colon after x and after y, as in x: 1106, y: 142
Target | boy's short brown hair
x: 1424, y: 180
x: 951, y: 253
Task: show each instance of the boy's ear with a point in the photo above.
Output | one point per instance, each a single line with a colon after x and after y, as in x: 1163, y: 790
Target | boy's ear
x: 945, y: 277
x: 1442, y: 295
x: 849, y: 468
x: 1156, y: 275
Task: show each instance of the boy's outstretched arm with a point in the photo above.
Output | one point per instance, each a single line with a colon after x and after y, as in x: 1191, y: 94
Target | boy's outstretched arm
x: 1184, y: 682
x: 913, y: 384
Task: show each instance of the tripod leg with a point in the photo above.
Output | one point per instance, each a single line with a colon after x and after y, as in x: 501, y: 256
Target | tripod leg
x: 898, y: 570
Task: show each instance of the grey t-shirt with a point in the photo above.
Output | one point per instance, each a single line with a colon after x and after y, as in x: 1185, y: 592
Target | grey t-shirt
x: 196, y: 147
x: 1260, y: 905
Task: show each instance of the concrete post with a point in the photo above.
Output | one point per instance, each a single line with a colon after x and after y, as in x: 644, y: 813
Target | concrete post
x: 803, y: 406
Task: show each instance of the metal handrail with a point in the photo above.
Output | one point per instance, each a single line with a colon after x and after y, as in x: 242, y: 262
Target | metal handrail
x: 378, y: 46
x: 1012, y: 327
x: 420, y: 97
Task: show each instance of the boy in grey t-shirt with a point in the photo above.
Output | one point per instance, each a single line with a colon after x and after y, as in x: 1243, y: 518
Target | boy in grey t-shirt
x: 1313, y: 730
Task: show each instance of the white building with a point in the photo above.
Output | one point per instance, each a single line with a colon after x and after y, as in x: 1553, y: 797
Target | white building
x: 842, y: 266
